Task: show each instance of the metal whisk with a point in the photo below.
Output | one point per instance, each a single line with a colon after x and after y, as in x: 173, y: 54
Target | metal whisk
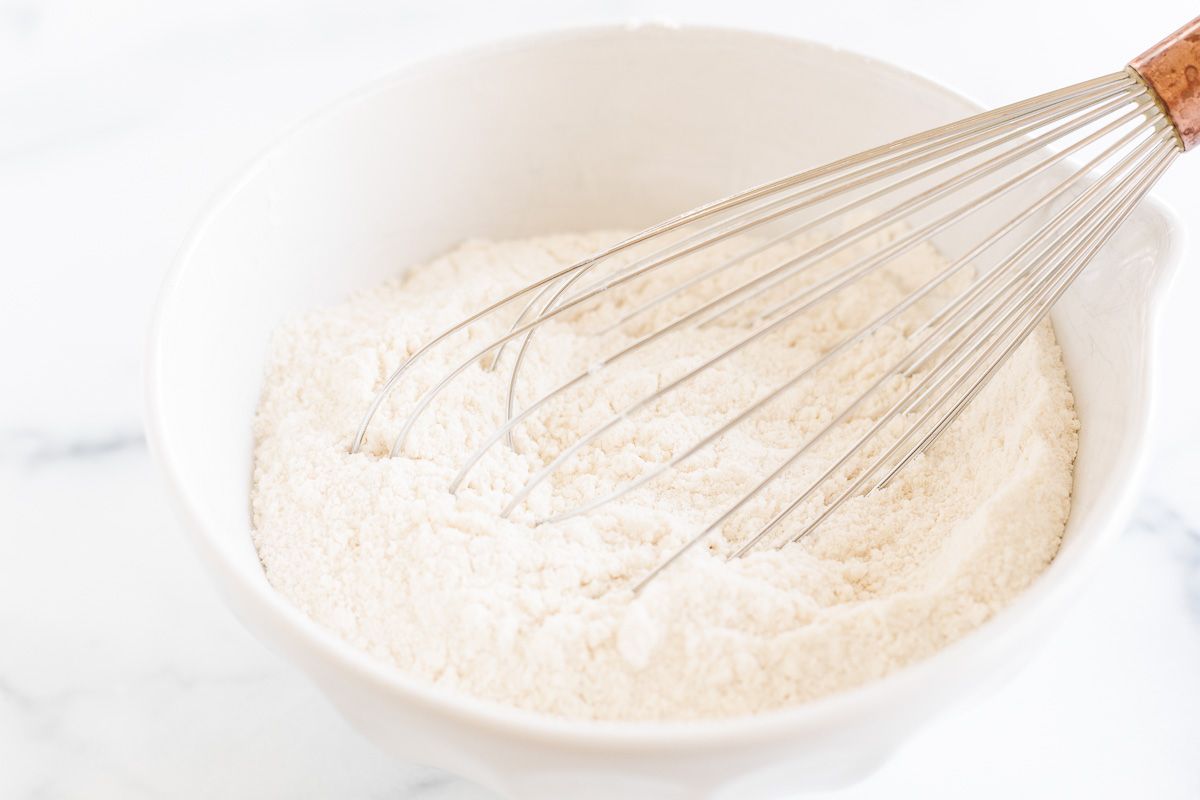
x: 1020, y: 163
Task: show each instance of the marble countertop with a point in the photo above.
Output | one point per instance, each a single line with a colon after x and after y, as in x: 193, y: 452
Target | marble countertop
x: 122, y: 675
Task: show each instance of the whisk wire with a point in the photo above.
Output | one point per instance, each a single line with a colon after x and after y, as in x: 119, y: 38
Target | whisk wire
x: 815, y: 294
x: 786, y: 270
x: 1114, y: 82
x: 951, y: 270
x: 905, y: 193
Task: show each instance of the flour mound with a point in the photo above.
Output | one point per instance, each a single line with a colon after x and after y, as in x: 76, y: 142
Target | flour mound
x: 542, y: 616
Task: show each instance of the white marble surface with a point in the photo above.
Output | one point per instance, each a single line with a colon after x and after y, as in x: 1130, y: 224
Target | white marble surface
x: 121, y: 674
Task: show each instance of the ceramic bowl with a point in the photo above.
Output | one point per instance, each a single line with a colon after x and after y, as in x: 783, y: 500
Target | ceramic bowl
x: 578, y: 130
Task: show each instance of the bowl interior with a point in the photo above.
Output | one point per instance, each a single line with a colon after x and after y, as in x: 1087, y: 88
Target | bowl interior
x: 575, y: 131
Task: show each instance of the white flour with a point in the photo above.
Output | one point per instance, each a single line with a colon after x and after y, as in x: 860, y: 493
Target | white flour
x: 542, y: 617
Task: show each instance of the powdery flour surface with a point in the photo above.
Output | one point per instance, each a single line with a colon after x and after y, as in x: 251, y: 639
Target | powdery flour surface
x: 542, y: 617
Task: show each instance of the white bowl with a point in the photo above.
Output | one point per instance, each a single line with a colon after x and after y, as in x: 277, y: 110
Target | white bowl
x: 571, y: 131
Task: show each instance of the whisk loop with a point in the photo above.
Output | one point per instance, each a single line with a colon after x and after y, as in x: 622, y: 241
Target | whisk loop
x: 1126, y: 128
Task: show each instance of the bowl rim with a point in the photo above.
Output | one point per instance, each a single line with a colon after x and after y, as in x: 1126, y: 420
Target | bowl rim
x: 980, y: 646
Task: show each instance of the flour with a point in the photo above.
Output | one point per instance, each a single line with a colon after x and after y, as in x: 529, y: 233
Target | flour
x: 542, y: 616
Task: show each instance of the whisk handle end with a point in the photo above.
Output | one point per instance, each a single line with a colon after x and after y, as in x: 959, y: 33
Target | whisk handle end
x: 1171, y: 69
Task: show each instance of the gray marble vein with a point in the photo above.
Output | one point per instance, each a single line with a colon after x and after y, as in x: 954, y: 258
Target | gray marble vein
x: 33, y: 448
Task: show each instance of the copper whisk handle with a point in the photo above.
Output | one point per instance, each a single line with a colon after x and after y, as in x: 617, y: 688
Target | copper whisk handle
x: 1172, y: 69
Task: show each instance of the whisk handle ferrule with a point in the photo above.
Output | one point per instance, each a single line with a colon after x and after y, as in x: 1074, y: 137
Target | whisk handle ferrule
x: 1171, y: 69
